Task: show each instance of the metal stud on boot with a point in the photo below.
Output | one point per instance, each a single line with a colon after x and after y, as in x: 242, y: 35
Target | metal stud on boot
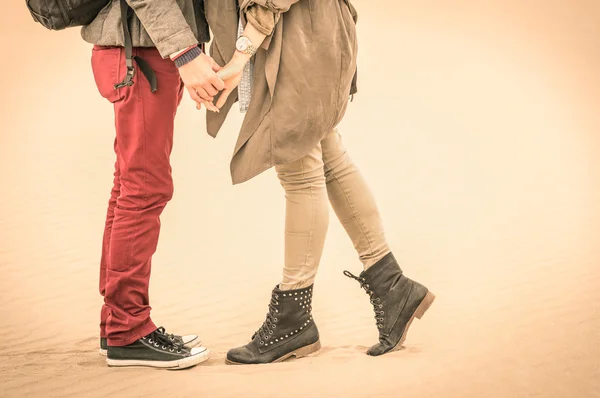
x: 396, y: 299
x: 289, y: 330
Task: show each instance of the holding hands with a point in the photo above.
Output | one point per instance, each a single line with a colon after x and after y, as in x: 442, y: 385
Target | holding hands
x: 206, y: 78
x: 201, y: 80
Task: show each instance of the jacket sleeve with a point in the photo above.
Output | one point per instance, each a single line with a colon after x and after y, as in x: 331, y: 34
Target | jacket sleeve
x: 264, y: 15
x: 276, y: 6
x: 165, y: 24
x: 263, y: 19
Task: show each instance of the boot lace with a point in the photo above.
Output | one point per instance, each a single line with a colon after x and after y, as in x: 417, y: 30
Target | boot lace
x: 265, y: 332
x: 375, y: 301
x: 159, y: 339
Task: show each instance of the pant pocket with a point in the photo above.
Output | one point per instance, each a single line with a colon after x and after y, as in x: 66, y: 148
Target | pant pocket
x: 106, y: 66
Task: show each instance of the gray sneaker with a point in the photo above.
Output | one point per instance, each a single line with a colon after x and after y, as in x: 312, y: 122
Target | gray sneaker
x: 188, y: 341
x: 156, y: 350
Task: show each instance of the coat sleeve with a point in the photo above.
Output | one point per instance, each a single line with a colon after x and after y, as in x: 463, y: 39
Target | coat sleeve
x: 165, y: 24
x: 276, y: 6
x: 264, y: 15
x: 263, y: 19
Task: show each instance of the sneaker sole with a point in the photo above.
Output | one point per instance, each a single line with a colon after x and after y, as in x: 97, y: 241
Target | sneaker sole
x: 172, y: 365
x: 419, y: 312
x: 308, y: 350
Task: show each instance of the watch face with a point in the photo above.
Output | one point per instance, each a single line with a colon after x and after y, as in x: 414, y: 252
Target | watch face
x: 242, y: 43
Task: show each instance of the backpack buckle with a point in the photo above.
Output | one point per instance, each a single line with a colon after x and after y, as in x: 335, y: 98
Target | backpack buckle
x: 128, y: 81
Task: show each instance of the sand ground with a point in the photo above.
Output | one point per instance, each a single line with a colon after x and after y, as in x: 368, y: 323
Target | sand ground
x: 478, y: 127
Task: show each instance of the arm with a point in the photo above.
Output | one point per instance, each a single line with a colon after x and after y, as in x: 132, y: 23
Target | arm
x: 256, y: 13
x: 165, y: 24
x: 261, y: 22
x: 257, y: 35
x: 262, y: 16
x: 173, y: 37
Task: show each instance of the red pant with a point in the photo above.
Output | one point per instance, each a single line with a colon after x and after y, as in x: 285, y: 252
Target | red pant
x: 142, y: 187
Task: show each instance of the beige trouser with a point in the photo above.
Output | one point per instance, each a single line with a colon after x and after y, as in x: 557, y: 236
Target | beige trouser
x: 327, y: 174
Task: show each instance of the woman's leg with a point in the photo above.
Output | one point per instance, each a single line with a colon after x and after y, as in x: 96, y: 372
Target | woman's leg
x: 353, y: 202
x: 396, y: 299
x: 289, y: 329
x: 306, y: 218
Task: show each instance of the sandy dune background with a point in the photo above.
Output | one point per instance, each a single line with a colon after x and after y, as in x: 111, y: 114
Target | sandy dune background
x: 478, y: 127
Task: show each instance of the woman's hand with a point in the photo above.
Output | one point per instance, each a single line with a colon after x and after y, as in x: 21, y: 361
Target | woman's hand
x: 231, y: 74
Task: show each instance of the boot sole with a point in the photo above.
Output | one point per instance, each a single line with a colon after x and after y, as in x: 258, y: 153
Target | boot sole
x: 419, y: 312
x: 301, y: 352
x: 183, y: 363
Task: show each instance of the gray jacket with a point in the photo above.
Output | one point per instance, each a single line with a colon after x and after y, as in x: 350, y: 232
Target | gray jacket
x: 168, y: 25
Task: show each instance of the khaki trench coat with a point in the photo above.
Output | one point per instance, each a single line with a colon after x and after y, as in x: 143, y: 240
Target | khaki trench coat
x: 304, y: 74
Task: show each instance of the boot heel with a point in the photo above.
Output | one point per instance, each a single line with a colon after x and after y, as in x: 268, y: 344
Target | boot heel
x: 307, y: 350
x: 425, y: 304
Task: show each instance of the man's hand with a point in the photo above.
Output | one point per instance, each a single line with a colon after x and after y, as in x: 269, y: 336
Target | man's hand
x: 201, y: 80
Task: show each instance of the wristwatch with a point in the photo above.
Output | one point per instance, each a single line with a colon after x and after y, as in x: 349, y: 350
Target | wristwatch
x: 244, y: 45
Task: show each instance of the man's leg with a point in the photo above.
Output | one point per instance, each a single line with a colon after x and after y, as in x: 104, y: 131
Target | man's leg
x: 110, y: 216
x: 142, y: 187
x: 144, y: 123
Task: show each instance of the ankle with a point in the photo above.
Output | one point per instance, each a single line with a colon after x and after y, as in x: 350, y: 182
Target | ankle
x: 370, y: 261
x: 285, y: 286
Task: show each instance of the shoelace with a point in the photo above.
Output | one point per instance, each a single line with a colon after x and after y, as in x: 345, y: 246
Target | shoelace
x: 162, y: 330
x: 375, y: 301
x: 267, y: 328
x: 160, y: 339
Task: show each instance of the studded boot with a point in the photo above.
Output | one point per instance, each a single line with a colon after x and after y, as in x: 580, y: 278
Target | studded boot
x: 289, y: 330
x: 396, y: 299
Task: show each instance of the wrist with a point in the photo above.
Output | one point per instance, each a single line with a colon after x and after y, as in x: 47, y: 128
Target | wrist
x: 186, y: 56
x: 175, y: 55
x: 241, y: 59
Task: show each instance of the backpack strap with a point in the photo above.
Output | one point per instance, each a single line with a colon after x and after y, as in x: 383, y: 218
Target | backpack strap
x: 126, y: 13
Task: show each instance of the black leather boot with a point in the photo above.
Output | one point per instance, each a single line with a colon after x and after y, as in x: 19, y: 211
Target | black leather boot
x: 396, y: 300
x: 289, y: 330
